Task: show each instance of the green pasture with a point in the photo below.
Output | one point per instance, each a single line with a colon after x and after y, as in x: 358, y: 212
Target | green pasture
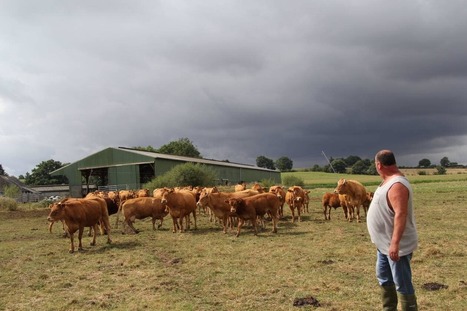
x: 204, y: 269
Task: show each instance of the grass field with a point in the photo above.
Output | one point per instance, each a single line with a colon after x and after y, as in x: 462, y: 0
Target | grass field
x: 332, y: 261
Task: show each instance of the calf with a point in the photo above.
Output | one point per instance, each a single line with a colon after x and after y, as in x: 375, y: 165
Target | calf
x: 280, y: 193
x: 140, y: 208
x: 80, y: 213
x: 250, y: 208
x: 333, y: 200
x: 294, y: 199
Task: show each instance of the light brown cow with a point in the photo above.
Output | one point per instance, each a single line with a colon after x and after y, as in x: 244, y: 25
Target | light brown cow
x: 240, y: 186
x: 280, y: 193
x: 367, y: 202
x: 306, y: 200
x: 250, y: 208
x: 333, y: 200
x: 141, y: 193
x: 355, y: 195
x: 80, y: 213
x: 180, y: 204
x: 258, y: 187
x: 216, y: 202
x: 140, y: 208
x: 294, y: 199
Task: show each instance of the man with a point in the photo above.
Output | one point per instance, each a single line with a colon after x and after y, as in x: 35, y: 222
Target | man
x: 391, y: 224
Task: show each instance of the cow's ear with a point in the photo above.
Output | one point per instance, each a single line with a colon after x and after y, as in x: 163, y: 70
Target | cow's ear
x: 214, y: 190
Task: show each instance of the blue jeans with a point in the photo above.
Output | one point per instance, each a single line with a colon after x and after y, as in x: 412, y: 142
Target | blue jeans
x: 389, y: 272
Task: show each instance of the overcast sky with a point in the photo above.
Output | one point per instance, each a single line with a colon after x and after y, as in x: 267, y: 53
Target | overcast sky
x: 240, y: 79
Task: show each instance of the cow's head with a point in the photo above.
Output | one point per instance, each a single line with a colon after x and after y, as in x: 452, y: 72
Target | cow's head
x: 56, y: 211
x: 203, y: 197
x: 234, y: 204
x: 166, y: 192
x: 341, y: 185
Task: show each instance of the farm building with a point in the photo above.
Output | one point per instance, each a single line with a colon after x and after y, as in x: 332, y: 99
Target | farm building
x: 26, y: 193
x: 126, y: 168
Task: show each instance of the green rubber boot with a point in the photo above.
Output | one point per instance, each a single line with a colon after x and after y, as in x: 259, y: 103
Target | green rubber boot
x: 408, y: 302
x: 389, y: 298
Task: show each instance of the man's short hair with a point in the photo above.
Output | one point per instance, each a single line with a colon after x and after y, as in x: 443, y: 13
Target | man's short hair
x: 386, y: 157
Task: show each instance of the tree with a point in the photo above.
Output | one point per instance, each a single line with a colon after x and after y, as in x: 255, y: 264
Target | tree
x: 445, y: 162
x: 148, y: 148
x: 2, y: 171
x: 12, y: 191
x: 339, y: 166
x: 359, y: 167
x: 187, y: 174
x: 284, y: 164
x: 182, y: 147
x: 441, y: 170
x: 262, y: 161
x: 40, y: 175
x: 424, y: 163
x: 351, y: 160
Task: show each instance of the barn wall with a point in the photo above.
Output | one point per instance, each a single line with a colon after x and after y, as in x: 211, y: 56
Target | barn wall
x: 232, y: 174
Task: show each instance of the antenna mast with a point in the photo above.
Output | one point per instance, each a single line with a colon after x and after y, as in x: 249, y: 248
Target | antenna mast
x: 328, y: 161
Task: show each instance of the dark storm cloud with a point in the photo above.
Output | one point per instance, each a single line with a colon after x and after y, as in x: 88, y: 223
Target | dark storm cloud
x: 238, y: 79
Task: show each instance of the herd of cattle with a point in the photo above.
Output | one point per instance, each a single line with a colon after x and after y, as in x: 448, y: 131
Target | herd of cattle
x: 240, y: 206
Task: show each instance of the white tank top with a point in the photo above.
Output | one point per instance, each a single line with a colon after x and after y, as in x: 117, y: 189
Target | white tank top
x: 380, y: 220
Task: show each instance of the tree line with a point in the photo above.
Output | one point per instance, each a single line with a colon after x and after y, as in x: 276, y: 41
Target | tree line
x: 352, y: 164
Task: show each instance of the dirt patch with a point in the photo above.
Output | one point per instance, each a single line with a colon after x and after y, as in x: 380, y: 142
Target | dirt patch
x: 306, y: 301
x: 434, y: 286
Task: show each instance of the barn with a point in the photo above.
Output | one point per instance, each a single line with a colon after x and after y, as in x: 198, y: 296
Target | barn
x: 127, y: 168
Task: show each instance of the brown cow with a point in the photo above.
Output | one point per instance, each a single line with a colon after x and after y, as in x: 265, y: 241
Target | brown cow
x: 180, y: 204
x: 294, y: 199
x: 216, y: 202
x: 280, y: 193
x: 250, y: 208
x: 355, y: 195
x: 80, y: 213
x: 140, y: 208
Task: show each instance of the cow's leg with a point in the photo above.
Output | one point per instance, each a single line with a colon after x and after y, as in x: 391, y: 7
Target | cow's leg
x: 224, y: 223
x: 274, y: 224
x: 175, y: 224
x: 160, y: 225
x: 255, y: 226
x: 80, y: 238
x: 292, y: 210
x: 358, y: 213
x: 72, y: 242
x: 180, y: 220
x: 351, y: 212
x: 130, y: 223
x: 194, y: 218
x: 94, y: 235
x: 240, y: 224
x: 153, y: 223
x: 50, y: 226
